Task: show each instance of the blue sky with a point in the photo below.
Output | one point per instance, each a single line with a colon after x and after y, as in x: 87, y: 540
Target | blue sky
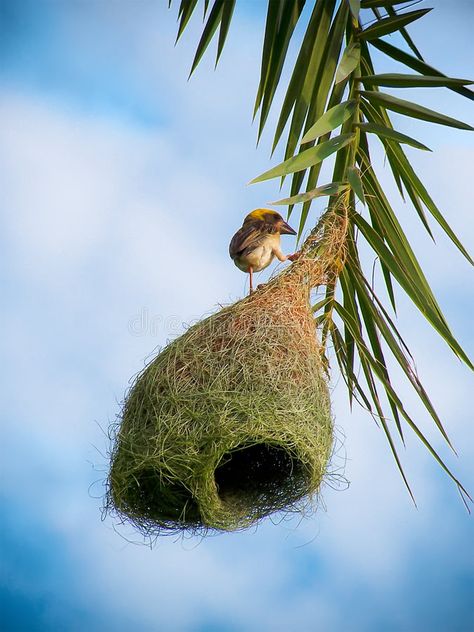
x: 121, y: 184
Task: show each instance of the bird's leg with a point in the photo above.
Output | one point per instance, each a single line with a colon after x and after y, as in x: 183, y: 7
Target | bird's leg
x: 279, y: 255
x: 251, y: 279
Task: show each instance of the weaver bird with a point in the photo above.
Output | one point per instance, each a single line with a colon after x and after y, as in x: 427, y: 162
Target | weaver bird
x: 254, y: 246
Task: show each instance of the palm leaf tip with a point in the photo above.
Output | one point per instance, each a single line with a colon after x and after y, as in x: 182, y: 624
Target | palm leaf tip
x: 305, y: 159
x: 390, y: 24
x: 333, y: 188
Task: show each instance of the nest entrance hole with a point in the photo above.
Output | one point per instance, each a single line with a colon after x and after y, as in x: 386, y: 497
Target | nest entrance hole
x: 259, y: 472
x: 162, y: 500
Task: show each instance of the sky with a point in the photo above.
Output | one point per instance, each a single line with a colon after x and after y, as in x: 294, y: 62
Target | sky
x: 121, y: 184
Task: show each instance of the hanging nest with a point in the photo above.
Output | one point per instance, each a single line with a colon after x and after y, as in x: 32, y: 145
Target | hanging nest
x: 232, y: 421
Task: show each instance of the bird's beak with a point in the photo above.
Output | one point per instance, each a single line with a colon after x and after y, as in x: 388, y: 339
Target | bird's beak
x: 287, y: 230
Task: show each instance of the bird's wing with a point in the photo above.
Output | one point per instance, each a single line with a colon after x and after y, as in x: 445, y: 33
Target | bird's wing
x: 246, y: 239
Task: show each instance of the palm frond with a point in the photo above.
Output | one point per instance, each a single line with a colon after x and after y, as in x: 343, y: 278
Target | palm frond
x: 333, y: 107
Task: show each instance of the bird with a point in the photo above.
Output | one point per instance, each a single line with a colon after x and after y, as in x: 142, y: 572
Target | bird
x: 257, y: 243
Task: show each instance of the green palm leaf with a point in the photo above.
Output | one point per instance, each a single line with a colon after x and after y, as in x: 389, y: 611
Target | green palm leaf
x: 306, y: 158
x: 416, y: 64
x: 391, y: 134
x: 391, y: 24
x: 373, y: 4
x: 332, y: 118
x: 213, y: 21
x: 404, y: 33
x: 412, y: 109
x: 349, y: 62
x: 185, y: 12
x: 395, y: 80
x: 333, y: 188
x: 353, y: 176
x: 282, y: 18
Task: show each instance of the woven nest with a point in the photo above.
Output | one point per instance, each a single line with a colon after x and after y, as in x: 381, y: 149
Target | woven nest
x: 230, y: 422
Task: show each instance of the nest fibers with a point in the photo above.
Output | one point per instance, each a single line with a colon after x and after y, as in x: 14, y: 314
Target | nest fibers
x: 230, y: 422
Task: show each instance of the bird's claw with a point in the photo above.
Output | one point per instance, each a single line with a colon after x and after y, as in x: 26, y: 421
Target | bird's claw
x: 294, y: 256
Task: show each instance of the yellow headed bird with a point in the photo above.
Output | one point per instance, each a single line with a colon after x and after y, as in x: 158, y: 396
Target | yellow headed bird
x: 254, y: 246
